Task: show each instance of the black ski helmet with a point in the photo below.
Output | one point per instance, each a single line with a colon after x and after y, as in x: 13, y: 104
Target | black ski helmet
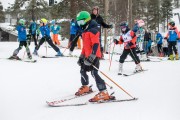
x: 172, y: 23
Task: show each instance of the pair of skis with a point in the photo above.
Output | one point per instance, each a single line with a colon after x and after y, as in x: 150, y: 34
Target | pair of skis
x: 133, y: 73
x: 22, y: 60
x: 61, y: 102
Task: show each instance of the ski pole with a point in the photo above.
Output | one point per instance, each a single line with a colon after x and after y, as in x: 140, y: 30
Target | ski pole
x: 70, y: 43
x: 46, y: 48
x: 111, y: 57
x: 113, y: 82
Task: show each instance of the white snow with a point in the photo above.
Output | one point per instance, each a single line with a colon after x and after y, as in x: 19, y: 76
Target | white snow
x: 25, y: 87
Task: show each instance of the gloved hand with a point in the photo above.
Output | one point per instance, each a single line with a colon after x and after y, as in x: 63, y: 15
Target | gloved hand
x: 177, y: 38
x: 165, y: 38
x: 89, y: 60
x: 115, y: 41
x: 129, y: 44
x: 81, y: 60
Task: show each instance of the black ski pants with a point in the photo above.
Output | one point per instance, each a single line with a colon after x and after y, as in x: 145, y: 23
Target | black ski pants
x: 172, y: 47
x: 132, y: 53
x: 49, y: 41
x: 21, y: 44
x: 73, y: 42
x: 85, y: 79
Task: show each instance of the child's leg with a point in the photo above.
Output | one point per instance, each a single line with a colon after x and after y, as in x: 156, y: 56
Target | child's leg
x: 174, y: 47
x: 99, y: 81
x: 21, y: 43
x: 56, y: 39
x: 27, y: 50
x: 35, y: 40
x: 48, y: 39
x: 134, y: 56
x: 40, y: 43
x: 124, y: 55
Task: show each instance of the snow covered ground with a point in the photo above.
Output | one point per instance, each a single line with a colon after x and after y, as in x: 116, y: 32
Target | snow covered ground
x: 25, y: 87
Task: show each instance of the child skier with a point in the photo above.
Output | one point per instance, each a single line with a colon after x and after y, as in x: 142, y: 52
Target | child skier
x: 128, y: 37
x: 45, y: 31
x: 22, y: 40
x: 172, y: 36
x: 159, y: 43
x: 32, y: 31
x: 55, y: 28
x: 90, y: 55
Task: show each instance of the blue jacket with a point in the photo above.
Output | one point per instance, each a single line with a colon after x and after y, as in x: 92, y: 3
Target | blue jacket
x: 135, y: 28
x: 159, y: 38
x: 172, y: 34
x: 79, y: 29
x: 45, y: 31
x: 73, y: 28
x: 55, y: 29
x: 21, y: 33
x: 33, y: 27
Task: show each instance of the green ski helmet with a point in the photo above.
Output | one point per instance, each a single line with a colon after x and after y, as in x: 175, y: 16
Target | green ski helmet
x: 83, y: 17
x: 22, y: 21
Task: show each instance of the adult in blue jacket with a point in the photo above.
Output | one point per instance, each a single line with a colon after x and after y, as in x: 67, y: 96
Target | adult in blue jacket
x: 45, y: 31
x: 32, y: 31
x: 159, y: 42
x: 22, y: 40
x: 73, y: 43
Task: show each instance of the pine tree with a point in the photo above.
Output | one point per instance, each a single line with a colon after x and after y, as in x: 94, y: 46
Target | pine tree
x: 2, y: 17
x: 166, y: 11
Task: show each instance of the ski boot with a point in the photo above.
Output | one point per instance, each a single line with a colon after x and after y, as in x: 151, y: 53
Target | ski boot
x: 138, y: 68
x: 177, y: 57
x: 14, y: 57
x: 30, y: 56
x: 120, y: 69
x: 59, y: 53
x: 70, y: 53
x: 35, y: 52
x: 102, y: 96
x: 83, y: 90
x: 171, y: 57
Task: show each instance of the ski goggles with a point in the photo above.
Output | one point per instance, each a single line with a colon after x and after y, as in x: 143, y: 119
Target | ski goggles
x: 123, y: 28
x: 81, y: 22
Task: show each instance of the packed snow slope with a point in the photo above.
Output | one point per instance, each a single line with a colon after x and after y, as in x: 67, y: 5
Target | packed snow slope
x: 25, y: 88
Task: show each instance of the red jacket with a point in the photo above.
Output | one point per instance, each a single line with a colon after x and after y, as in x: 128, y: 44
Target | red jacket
x: 90, y: 37
x: 129, y: 36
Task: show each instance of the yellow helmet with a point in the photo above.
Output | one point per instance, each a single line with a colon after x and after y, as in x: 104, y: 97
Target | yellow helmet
x: 43, y: 20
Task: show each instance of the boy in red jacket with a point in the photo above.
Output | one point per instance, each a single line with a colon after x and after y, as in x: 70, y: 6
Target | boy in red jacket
x: 90, y: 55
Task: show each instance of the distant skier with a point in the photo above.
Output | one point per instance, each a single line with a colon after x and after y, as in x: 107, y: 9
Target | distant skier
x: 22, y: 38
x: 172, y: 36
x: 159, y: 43
x: 128, y: 37
x: 73, y: 31
x: 45, y: 31
x: 97, y: 17
x: 32, y: 31
x: 90, y: 55
x: 55, y: 29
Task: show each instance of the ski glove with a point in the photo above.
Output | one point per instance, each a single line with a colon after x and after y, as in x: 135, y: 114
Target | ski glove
x: 89, y: 60
x: 129, y: 44
x: 81, y: 60
x: 115, y: 41
x: 165, y: 38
